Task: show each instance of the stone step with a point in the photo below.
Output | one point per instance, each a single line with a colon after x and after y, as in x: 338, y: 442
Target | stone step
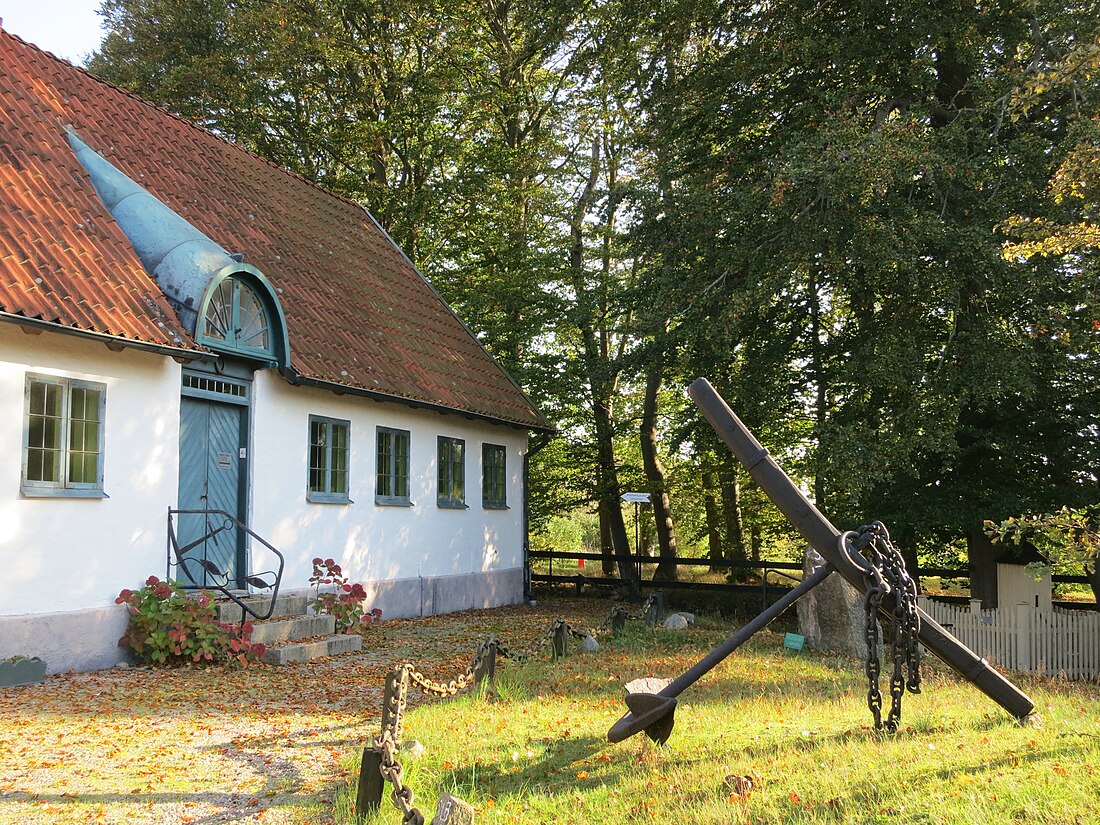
x: 285, y: 605
x: 305, y: 651
x: 279, y: 631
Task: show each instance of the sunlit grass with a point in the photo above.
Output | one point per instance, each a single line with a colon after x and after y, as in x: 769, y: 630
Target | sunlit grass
x: 534, y: 749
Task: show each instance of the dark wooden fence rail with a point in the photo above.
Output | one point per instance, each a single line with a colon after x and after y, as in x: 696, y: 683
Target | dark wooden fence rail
x: 773, y: 575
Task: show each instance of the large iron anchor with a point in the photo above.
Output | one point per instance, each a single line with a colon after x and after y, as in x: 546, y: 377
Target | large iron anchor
x: 653, y: 712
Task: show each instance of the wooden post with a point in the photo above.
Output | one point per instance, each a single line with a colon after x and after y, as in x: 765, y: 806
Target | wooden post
x: 560, y: 644
x: 486, y: 669
x: 618, y: 620
x: 369, y: 797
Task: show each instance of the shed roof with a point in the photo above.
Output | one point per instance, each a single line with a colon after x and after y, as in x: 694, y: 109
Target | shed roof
x: 359, y: 315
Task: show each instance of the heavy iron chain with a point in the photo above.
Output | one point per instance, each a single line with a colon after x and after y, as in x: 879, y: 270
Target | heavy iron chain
x: 885, y: 575
x: 521, y: 658
x: 640, y: 616
x: 392, y: 771
x: 460, y: 682
x: 387, y: 742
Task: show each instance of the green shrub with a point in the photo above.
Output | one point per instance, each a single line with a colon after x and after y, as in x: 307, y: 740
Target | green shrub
x: 169, y: 627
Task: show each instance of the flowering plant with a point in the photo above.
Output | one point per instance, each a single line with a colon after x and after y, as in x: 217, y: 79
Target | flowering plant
x: 344, y: 601
x: 168, y: 626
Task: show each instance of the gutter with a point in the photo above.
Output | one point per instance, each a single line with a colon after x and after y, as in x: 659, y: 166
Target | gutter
x: 541, y: 440
x: 113, y: 342
x: 296, y: 379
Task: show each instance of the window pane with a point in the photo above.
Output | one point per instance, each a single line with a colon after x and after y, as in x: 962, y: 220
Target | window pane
x: 458, y: 471
x: 318, y: 432
x: 401, y: 465
x: 451, y: 469
x: 383, y: 481
x: 44, y: 432
x: 42, y: 465
x: 219, y: 312
x: 339, y: 453
x: 492, y: 482
x: 253, y: 319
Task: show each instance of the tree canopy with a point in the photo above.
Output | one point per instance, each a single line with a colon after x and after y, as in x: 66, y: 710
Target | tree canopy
x: 872, y: 225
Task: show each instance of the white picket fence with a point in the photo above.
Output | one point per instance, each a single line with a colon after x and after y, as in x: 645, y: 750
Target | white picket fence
x: 1055, y: 642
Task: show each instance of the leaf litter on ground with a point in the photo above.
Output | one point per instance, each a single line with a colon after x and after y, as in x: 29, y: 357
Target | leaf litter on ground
x: 208, y: 745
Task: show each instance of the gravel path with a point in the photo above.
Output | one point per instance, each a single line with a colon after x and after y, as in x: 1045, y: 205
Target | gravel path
x: 193, y: 745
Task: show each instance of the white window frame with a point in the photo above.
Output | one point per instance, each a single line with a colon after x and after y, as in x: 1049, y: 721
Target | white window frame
x: 445, y: 497
x: 390, y: 470
x: 328, y: 495
x: 62, y: 486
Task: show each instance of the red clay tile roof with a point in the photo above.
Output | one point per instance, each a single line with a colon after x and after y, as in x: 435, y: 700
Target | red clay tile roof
x: 358, y: 313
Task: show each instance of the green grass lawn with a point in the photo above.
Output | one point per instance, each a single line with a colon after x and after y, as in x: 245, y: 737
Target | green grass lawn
x: 533, y: 749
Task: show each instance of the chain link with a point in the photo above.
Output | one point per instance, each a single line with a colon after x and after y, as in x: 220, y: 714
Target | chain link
x: 885, y: 575
x: 521, y: 658
x: 391, y: 770
x: 460, y: 682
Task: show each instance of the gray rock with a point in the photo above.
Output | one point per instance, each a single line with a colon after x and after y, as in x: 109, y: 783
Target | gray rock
x: 676, y: 622
x: 589, y: 644
x: 689, y: 616
x: 453, y: 811
x: 413, y: 748
x: 648, y: 684
x: 831, y: 616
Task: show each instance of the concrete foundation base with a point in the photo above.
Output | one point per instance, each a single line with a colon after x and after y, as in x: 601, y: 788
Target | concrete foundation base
x: 88, y: 639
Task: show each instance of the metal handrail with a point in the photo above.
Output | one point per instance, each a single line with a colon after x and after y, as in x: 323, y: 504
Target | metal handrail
x: 228, y: 521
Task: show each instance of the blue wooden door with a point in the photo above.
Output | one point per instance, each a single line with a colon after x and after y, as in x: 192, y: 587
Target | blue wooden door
x: 212, y: 469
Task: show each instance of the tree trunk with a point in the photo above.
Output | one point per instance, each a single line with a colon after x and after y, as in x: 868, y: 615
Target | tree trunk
x: 981, y: 552
x: 655, y: 475
x: 1093, y: 575
x: 734, y: 542
x: 600, y: 374
x: 607, y: 549
x: 714, y: 520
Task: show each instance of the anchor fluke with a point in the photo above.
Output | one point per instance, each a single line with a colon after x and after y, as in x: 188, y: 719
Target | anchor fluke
x: 649, y: 712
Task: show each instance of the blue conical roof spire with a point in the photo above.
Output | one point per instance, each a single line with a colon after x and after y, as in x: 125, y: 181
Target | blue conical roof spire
x: 180, y: 258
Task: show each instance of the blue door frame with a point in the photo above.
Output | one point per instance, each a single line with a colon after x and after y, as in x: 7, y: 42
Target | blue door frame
x: 213, y: 474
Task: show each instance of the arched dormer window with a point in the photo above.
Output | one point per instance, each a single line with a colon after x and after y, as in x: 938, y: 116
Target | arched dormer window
x: 240, y: 314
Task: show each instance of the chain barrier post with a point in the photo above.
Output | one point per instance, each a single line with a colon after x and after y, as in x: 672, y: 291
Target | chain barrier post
x: 485, y: 662
x: 393, y: 702
x: 658, y: 607
x: 368, y: 799
x: 561, y: 641
x: 618, y: 620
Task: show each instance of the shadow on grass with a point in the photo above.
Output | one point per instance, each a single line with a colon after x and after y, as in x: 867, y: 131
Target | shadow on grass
x: 555, y: 774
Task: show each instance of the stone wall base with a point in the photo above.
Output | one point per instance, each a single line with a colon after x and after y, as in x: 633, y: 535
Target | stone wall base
x: 88, y: 639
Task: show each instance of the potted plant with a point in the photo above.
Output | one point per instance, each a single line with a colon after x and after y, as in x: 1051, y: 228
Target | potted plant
x: 21, y: 670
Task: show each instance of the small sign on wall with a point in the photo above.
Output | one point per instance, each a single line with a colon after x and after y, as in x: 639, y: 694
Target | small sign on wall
x: 224, y: 461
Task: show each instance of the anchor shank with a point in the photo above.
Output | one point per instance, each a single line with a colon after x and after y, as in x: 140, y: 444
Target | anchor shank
x: 819, y: 532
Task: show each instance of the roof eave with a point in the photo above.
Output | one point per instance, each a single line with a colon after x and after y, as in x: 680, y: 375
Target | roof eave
x: 295, y: 378
x: 111, y: 341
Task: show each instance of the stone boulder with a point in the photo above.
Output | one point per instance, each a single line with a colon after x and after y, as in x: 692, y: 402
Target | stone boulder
x: 831, y: 616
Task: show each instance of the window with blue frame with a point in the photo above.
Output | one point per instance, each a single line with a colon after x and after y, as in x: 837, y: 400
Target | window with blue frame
x: 452, y: 472
x: 494, y: 494
x: 235, y: 317
x: 392, y: 478
x: 329, y: 448
x: 63, y: 437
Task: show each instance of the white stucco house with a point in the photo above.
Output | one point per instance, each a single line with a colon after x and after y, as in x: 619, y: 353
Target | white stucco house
x: 185, y: 326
